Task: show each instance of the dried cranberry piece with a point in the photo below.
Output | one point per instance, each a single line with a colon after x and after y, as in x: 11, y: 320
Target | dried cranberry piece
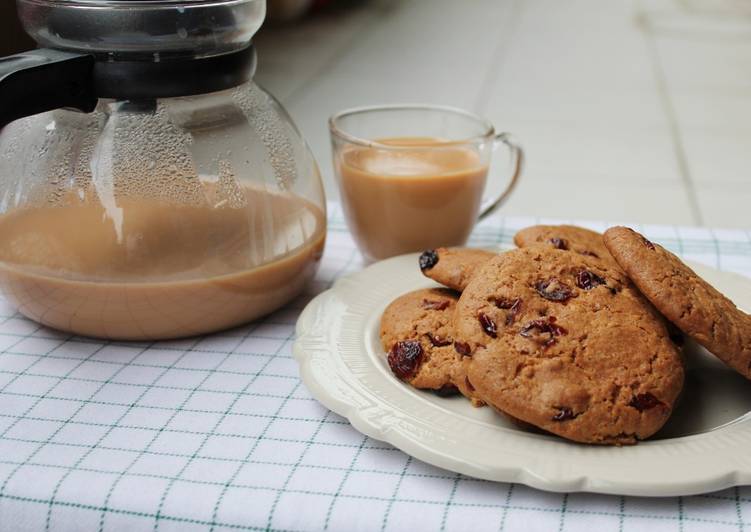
x: 513, y: 311
x: 564, y: 414
x: 588, y: 253
x: 648, y: 243
x: 447, y: 390
x: 513, y: 306
x: 645, y: 401
x: 503, y: 303
x: 587, y: 280
x: 558, y: 243
x: 405, y: 358
x: 543, y: 331
x: 554, y: 290
x: 438, y: 341
x: 428, y: 259
x: 463, y: 349
x: 488, y: 325
x: 435, y: 305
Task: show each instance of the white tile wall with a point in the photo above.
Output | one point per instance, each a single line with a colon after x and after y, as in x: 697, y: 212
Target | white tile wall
x: 634, y: 110
x: 724, y: 205
x: 719, y: 157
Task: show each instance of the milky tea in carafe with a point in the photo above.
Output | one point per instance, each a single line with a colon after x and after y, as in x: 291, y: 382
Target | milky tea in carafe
x: 159, y: 217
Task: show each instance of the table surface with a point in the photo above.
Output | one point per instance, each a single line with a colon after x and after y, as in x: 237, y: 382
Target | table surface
x: 218, y: 433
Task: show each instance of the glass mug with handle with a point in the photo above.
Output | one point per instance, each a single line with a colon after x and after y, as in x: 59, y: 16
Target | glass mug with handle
x: 416, y: 177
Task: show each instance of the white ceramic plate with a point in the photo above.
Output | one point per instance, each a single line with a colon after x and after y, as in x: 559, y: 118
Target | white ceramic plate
x: 705, y: 446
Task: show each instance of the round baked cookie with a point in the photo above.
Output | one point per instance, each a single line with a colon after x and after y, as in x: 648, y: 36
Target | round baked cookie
x: 417, y: 333
x: 579, y: 240
x: 565, y: 237
x: 564, y: 342
x: 453, y: 267
x: 684, y: 298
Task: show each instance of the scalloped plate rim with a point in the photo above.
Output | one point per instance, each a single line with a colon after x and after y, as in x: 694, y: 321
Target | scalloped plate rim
x: 533, y: 475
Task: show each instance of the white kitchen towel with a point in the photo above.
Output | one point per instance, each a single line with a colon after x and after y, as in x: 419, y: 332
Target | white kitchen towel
x: 218, y: 433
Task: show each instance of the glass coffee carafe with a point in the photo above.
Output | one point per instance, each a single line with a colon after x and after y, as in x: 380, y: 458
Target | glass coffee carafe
x: 148, y: 188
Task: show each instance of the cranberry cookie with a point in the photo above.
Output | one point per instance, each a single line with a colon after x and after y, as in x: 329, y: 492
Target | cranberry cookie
x: 686, y: 299
x: 564, y: 342
x: 417, y: 333
x: 453, y: 267
x: 565, y: 237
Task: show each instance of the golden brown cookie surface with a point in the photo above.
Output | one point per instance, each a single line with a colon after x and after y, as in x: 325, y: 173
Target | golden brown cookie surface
x: 417, y: 333
x: 453, y: 267
x: 566, y: 237
x: 692, y: 304
x: 563, y: 341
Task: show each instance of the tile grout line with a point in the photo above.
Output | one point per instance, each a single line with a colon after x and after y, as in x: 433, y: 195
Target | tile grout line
x: 483, y: 95
x: 672, y: 118
x: 336, y: 57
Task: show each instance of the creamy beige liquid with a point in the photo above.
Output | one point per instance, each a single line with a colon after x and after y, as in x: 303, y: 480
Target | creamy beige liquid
x: 420, y: 197
x: 167, y: 271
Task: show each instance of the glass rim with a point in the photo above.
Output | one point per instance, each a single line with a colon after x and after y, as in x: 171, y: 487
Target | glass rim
x: 133, y: 4
x: 336, y: 130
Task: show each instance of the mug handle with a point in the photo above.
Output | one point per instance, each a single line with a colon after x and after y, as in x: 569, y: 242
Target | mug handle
x: 489, y: 205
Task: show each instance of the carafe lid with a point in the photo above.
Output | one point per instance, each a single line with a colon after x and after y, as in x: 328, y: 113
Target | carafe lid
x: 150, y: 30
x: 128, y: 50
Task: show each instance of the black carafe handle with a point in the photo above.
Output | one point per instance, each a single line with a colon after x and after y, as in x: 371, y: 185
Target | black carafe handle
x: 41, y: 80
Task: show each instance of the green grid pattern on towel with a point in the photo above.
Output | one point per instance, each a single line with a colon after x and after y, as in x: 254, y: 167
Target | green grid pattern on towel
x: 217, y: 433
